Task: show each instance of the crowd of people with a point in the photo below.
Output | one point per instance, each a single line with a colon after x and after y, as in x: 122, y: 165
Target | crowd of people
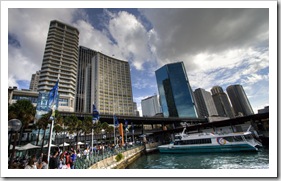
x: 60, y: 159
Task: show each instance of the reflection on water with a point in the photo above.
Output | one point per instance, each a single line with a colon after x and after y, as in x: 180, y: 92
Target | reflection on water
x: 238, y: 160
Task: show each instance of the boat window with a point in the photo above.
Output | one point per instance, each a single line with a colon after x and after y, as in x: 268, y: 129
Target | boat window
x: 193, y: 142
x: 249, y: 137
x: 229, y: 138
x: 237, y: 138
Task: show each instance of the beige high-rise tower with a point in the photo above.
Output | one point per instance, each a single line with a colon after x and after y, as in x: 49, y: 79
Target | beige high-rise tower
x: 111, y: 88
x: 60, y: 61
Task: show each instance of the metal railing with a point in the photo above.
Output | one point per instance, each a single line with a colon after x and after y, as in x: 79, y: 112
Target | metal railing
x: 86, y: 161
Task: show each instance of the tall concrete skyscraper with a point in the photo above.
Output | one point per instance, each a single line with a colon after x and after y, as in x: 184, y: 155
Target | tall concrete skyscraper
x: 34, y: 81
x: 239, y: 100
x: 104, y: 81
x: 84, y: 80
x: 205, y: 103
x: 150, y: 106
x: 176, y: 96
x: 222, y: 103
x: 60, y: 61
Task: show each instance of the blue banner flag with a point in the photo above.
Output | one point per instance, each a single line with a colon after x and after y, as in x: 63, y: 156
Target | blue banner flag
x: 116, y: 123
x: 96, y: 115
x: 53, y: 95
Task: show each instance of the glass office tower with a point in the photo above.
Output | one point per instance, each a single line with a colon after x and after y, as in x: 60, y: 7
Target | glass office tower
x: 175, y: 93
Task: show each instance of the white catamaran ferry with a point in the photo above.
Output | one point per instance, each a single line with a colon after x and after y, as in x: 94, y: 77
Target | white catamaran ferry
x: 212, y: 142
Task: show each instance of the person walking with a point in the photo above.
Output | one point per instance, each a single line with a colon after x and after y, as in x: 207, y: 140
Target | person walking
x: 54, y: 161
x: 32, y: 164
x: 44, y: 162
x: 73, y: 158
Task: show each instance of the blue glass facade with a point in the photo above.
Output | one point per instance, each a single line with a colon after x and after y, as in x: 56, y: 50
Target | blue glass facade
x: 175, y: 92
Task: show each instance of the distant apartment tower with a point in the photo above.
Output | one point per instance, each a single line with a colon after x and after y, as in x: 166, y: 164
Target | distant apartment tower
x: 264, y: 110
x: 150, y: 106
x: 104, y: 81
x: 239, y: 100
x: 34, y: 81
x: 176, y: 96
x: 205, y: 103
x: 221, y: 102
x: 60, y: 61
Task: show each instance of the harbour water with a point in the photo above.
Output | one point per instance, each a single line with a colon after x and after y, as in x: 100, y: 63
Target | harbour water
x: 237, y: 160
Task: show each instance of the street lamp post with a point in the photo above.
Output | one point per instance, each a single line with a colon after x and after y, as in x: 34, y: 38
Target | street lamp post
x: 103, y: 137
x: 92, y: 144
x: 14, y: 125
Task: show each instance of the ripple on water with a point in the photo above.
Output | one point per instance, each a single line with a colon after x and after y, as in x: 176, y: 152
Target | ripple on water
x: 248, y: 160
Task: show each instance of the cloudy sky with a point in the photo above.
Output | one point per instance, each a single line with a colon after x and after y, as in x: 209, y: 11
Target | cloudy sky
x: 218, y: 46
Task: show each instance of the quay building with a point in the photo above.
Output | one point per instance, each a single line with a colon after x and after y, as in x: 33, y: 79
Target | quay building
x: 205, y: 103
x: 239, y: 100
x: 221, y: 102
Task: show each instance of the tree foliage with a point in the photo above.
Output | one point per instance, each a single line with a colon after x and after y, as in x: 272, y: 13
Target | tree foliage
x: 24, y: 111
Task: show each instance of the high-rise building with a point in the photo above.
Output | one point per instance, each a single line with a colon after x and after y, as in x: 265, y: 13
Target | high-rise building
x: 239, y: 100
x: 150, y: 106
x: 34, y: 81
x: 104, y: 81
x: 111, y: 85
x: 60, y: 61
x: 222, y: 103
x: 136, y: 112
x: 84, y: 80
x: 205, y: 103
x: 264, y: 110
x: 176, y: 96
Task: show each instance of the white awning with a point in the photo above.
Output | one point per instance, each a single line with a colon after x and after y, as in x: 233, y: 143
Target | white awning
x: 28, y: 146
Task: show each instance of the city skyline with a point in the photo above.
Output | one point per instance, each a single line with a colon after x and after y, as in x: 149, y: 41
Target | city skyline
x: 151, y: 38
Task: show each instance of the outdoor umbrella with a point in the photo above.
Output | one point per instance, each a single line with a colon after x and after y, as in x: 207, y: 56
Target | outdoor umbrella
x: 27, y: 147
x: 11, y: 147
x: 65, y: 144
x: 80, y: 143
x: 52, y: 145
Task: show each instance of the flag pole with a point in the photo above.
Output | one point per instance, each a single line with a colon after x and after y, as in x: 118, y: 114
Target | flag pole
x: 114, y: 131
x: 95, y: 118
x: 50, y: 137
x: 52, y: 98
x: 92, y: 139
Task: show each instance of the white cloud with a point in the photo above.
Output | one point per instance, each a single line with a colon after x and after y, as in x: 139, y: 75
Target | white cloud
x: 254, y: 78
x: 131, y: 38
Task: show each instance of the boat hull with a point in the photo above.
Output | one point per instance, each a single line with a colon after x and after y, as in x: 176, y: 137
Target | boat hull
x: 206, y: 149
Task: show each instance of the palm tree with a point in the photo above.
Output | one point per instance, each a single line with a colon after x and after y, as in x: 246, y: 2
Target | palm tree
x: 37, y: 126
x: 59, y: 123
x: 24, y: 111
x: 74, y: 125
x: 87, y: 126
x: 57, y: 128
x: 43, y: 122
